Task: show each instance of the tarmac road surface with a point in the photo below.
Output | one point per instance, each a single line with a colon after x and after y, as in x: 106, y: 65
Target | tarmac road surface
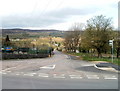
x: 60, y: 71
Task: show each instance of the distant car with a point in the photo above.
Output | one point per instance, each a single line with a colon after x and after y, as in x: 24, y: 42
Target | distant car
x: 8, y: 49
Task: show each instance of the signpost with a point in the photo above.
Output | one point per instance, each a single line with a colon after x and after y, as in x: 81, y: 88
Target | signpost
x: 111, y: 44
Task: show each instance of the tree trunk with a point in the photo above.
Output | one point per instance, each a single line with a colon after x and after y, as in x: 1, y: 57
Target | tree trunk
x: 118, y: 52
x: 99, y: 53
x: 75, y: 49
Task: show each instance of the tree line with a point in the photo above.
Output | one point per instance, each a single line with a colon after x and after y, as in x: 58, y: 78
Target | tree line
x: 94, y: 38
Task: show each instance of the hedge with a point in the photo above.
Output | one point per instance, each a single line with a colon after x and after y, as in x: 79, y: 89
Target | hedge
x: 23, y: 56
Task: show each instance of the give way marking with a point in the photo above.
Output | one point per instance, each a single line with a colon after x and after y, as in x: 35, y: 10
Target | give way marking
x: 48, y: 67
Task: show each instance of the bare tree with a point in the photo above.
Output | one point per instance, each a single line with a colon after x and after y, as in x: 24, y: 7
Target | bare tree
x: 72, y: 37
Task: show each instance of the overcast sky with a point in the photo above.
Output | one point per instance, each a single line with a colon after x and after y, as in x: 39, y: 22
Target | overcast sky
x: 54, y: 14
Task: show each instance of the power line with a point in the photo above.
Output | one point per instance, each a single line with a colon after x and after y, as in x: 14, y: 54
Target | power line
x: 60, y: 4
x: 46, y: 6
x: 34, y: 7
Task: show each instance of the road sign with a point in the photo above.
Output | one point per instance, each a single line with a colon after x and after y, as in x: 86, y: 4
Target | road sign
x: 110, y: 42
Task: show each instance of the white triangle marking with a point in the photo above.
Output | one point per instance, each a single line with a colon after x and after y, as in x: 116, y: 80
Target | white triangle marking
x: 48, y: 67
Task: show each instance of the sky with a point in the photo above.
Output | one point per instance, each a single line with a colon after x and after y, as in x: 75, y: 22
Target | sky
x: 54, y: 14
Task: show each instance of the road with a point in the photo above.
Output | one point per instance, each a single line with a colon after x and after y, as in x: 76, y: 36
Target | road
x: 60, y: 71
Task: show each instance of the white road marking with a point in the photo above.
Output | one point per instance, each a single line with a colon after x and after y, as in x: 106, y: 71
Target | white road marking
x: 59, y: 76
x: 67, y: 56
x: 28, y: 74
x: 0, y: 72
x: 92, y: 76
x: 88, y: 65
x: 110, y: 77
x: 43, y: 75
x: 33, y: 73
x: 48, y: 67
x: 106, y: 68
x: 3, y: 70
x: 75, y: 76
x: 4, y: 73
x: 17, y: 74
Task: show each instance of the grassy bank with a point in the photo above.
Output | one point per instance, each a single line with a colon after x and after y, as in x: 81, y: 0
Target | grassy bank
x: 93, y: 57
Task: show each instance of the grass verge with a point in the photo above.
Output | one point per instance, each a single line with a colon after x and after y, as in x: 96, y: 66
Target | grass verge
x: 92, y: 57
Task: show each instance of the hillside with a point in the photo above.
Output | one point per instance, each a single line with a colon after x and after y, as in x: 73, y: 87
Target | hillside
x: 26, y: 33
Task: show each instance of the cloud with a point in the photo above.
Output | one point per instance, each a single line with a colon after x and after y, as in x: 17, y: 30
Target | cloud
x: 46, y: 13
x: 45, y: 19
x: 28, y: 21
x: 65, y: 12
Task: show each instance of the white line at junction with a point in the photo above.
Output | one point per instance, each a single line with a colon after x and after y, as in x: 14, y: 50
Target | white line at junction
x: 110, y: 77
x: 75, y: 76
x: 43, y: 75
x: 28, y: 74
x: 92, y: 77
x: 59, y: 76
